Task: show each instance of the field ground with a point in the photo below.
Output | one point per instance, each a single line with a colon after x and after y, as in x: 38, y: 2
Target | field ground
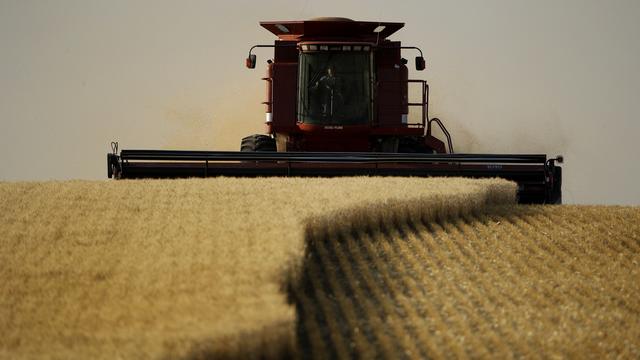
x: 367, y: 267
x: 508, y: 281
x: 186, y: 268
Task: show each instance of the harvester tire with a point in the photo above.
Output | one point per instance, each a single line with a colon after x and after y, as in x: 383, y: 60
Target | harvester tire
x: 258, y: 142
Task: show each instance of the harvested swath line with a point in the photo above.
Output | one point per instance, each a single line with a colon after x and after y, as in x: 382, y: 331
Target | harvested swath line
x: 475, y: 290
x: 517, y: 276
x: 360, y: 342
x: 335, y: 334
x: 629, y: 236
x: 363, y: 303
x: 308, y: 325
x: 544, y: 269
x: 577, y: 303
x: 545, y: 227
x: 525, y: 262
x: 434, y: 341
x: 632, y: 229
x: 461, y: 274
x: 488, y: 299
x: 347, y: 277
x: 579, y: 294
x: 322, y: 260
x: 566, y: 220
x: 404, y: 336
x: 416, y: 291
x: 554, y: 251
x: 624, y: 261
x: 588, y: 251
x: 612, y: 245
x: 517, y: 257
x: 466, y: 309
x: 573, y: 250
x: 485, y: 246
x: 628, y: 233
x: 474, y: 299
x: 598, y: 282
x: 425, y: 245
x: 441, y: 249
x: 533, y: 308
x: 529, y: 247
x: 389, y: 254
x: 386, y: 347
x: 601, y: 226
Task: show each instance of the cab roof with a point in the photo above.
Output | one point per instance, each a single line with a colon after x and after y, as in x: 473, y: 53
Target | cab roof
x: 332, y: 27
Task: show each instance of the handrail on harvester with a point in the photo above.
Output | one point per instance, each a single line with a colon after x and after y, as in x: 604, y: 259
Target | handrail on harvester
x: 444, y: 131
x: 424, y: 105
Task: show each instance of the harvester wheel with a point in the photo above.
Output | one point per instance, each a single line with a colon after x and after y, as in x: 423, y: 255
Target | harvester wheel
x: 258, y: 142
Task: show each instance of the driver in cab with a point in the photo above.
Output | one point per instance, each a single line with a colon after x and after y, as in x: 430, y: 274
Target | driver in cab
x: 328, y: 85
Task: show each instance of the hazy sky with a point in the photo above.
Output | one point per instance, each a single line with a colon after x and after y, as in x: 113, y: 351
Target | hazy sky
x: 554, y: 77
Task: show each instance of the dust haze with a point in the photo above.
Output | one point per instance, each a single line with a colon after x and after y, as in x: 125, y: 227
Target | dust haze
x: 506, y: 77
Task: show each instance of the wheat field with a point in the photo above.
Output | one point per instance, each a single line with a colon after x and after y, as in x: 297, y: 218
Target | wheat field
x: 321, y: 268
x: 186, y: 268
x: 509, y: 281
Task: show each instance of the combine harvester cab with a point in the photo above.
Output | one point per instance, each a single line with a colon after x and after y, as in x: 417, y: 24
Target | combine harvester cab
x: 338, y: 105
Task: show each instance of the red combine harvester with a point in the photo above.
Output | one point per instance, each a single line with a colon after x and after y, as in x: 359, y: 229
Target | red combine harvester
x: 338, y: 105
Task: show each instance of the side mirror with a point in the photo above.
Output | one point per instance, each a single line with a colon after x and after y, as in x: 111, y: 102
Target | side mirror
x: 420, y: 64
x: 251, y: 61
